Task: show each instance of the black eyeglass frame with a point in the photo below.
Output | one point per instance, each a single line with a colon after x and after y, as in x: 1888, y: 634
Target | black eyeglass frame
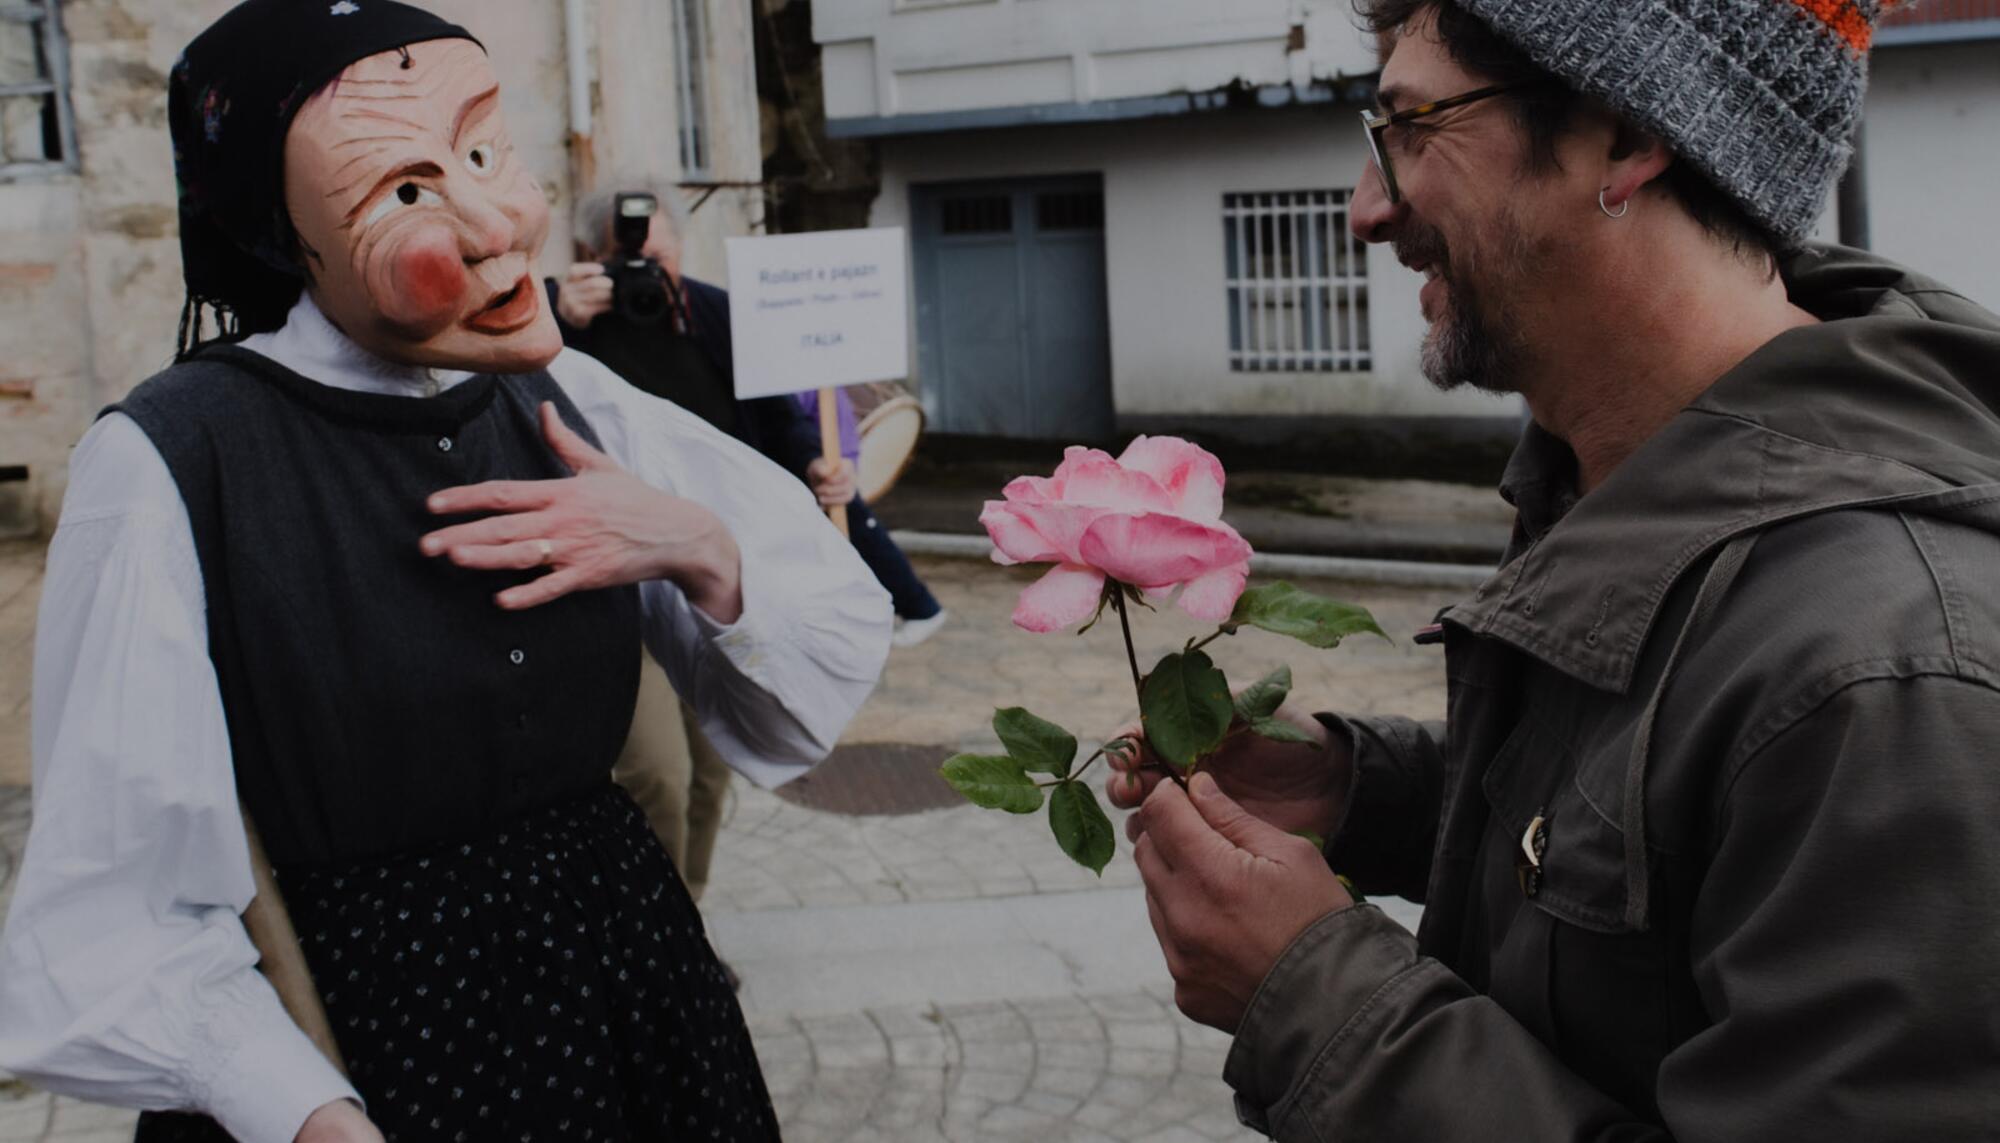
x: 1373, y: 125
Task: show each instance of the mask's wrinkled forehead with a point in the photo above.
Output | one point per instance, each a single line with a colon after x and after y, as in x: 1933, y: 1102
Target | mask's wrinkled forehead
x: 396, y: 116
x: 420, y: 228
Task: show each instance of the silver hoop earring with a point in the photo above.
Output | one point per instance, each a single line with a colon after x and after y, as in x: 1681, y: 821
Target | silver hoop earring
x: 1624, y: 208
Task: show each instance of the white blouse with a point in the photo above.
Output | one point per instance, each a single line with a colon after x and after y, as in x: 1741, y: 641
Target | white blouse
x: 125, y: 973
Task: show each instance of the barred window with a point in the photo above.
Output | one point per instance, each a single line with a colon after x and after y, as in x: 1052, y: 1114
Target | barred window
x: 1297, y: 283
x: 691, y: 33
x: 37, y: 132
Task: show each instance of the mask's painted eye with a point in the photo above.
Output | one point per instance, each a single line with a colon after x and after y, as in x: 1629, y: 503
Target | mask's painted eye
x: 481, y: 159
x: 406, y: 194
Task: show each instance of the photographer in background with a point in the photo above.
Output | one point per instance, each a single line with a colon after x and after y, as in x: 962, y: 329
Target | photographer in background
x: 669, y: 335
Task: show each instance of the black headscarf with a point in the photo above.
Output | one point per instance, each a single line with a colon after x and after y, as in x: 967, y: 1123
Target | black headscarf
x: 230, y: 101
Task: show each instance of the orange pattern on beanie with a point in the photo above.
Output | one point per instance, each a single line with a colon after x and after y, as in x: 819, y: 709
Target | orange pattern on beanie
x: 1851, y: 20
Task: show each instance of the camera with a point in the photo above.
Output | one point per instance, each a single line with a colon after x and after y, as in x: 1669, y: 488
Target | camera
x: 640, y: 289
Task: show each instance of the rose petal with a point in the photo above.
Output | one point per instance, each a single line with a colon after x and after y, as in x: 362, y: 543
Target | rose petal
x: 1032, y: 490
x: 1213, y: 597
x: 1101, y: 482
x: 1073, y: 457
x: 1191, y: 475
x: 1061, y: 525
x: 1015, y: 538
x: 1063, y: 598
x: 1157, y: 549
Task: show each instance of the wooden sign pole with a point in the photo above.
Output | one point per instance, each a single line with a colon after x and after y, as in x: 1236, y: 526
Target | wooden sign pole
x: 829, y: 447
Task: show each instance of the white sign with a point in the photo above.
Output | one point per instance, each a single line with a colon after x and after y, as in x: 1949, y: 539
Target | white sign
x: 820, y: 310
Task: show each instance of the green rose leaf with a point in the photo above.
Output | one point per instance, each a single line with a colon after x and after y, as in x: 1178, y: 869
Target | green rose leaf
x: 1278, y: 730
x: 1262, y: 698
x: 1318, y: 841
x: 1036, y: 743
x: 1080, y: 826
x: 1185, y: 707
x: 1311, y: 619
x: 995, y: 783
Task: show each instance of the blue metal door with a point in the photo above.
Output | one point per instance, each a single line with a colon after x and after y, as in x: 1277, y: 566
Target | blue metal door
x: 1013, y: 334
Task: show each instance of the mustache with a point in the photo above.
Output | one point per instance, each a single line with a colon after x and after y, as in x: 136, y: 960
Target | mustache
x: 1419, y: 244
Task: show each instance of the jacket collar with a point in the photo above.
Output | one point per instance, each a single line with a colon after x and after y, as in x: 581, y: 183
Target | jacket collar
x: 1847, y: 413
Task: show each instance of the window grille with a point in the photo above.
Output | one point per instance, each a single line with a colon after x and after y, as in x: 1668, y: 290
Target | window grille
x: 1297, y: 284
x: 1071, y: 210
x: 978, y: 214
x: 37, y: 131
x: 691, y: 34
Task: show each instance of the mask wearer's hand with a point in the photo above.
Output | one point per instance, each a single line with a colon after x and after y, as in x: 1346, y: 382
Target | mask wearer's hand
x: 602, y: 527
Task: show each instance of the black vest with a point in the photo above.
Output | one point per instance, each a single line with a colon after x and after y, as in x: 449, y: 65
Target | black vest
x: 378, y: 700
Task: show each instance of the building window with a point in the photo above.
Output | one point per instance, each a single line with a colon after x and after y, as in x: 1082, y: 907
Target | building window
x: 1070, y: 210
x: 1297, y: 284
x: 691, y: 33
x: 977, y: 214
x: 36, y: 130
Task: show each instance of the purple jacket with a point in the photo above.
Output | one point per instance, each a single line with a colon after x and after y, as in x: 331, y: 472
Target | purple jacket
x: 850, y: 438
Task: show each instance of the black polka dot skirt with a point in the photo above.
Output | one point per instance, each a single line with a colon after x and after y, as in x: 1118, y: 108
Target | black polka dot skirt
x: 551, y: 983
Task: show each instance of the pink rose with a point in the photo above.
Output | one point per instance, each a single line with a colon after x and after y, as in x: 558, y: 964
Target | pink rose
x: 1151, y: 518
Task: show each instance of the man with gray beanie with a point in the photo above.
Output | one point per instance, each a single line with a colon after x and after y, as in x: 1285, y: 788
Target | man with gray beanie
x: 1709, y: 842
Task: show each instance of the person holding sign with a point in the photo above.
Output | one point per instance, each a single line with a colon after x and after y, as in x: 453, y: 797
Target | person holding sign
x: 676, y: 344
x: 378, y: 559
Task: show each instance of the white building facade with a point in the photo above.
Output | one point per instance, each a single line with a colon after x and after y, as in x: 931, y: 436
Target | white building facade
x: 90, y: 286
x: 1177, y: 172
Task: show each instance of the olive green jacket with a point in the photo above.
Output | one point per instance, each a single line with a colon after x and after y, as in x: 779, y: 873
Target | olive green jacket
x: 1794, y: 933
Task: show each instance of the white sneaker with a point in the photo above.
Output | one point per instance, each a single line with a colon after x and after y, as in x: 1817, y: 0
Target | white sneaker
x: 910, y: 632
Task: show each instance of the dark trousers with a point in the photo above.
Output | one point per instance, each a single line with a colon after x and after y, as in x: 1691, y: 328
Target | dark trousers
x: 891, y: 567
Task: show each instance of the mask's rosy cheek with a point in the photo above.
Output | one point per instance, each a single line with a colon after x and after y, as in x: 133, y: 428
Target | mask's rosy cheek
x: 426, y: 282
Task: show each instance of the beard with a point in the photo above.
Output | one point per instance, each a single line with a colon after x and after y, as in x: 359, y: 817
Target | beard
x: 1475, y: 341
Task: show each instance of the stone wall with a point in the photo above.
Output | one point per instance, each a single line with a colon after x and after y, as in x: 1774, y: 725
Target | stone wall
x: 90, y: 289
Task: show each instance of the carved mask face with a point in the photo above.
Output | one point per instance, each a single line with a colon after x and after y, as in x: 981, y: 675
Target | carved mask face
x: 419, y: 226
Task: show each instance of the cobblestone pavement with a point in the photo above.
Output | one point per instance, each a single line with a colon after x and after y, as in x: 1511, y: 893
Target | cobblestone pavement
x: 861, y: 937
x: 1099, y: 1068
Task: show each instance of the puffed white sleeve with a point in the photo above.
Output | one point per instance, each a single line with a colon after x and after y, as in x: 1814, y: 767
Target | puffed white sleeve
x: 126, y: 975
x: 774, y: 690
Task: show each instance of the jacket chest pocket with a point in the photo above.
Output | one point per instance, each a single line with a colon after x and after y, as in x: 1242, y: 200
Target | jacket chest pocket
x: 1566, y: 854
x: 1563, y: 959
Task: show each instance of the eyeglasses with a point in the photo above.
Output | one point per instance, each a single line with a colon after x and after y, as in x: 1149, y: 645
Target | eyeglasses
x: 1374, y: 125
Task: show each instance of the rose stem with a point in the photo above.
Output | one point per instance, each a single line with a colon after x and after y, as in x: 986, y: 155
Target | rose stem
x: 1131, y: 655
x: 1076, y: 773
x: 1219, y: 633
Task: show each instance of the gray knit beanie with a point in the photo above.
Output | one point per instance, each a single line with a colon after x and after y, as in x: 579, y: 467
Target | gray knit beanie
x: 1759, y: 95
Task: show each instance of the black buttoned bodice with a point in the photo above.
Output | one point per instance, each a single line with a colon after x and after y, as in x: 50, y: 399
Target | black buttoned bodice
x: 378, y: 700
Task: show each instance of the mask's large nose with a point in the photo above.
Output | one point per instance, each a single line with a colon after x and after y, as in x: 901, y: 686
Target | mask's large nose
x: 492, y: 225
x: 427, y: 282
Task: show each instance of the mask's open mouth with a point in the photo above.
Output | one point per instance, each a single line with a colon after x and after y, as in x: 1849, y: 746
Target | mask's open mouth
x: 509, y: 311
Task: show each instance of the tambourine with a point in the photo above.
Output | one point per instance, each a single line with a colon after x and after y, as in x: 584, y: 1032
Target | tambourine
x: 889, y: 421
